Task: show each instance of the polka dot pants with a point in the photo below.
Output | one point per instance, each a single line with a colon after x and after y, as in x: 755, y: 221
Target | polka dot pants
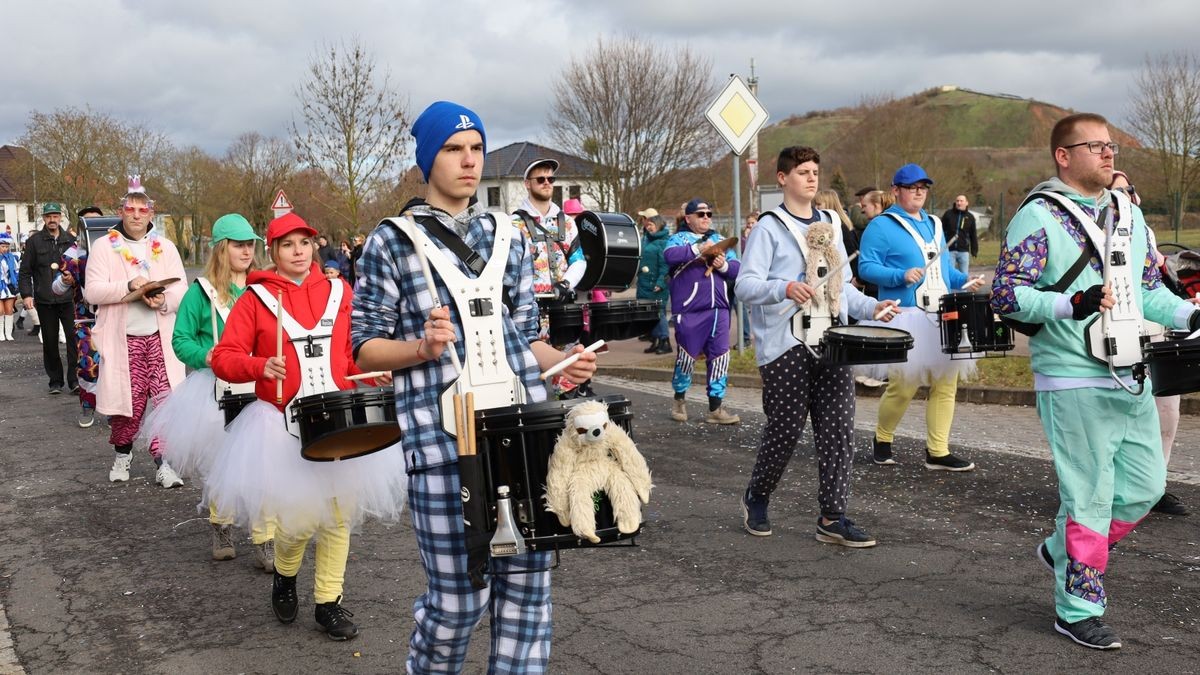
x: 795, y: 385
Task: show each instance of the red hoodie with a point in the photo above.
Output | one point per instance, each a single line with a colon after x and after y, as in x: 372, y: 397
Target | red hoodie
x: 249, y: 337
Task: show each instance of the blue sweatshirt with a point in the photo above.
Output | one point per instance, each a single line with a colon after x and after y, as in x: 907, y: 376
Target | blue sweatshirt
x: 887, y: 251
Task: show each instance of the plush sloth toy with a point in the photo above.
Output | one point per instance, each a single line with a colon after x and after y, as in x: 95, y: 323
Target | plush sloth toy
x: 593, y: 455
x: 824, y: 256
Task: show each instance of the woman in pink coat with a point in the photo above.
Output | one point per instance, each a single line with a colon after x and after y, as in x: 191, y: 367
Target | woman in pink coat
x: 134, y: 338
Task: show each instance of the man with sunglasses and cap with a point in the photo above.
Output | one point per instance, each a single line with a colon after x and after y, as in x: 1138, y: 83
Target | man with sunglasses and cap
x: 39, y: 266
x: 700, y: 305
x: 1104, y: 437
x: 551, y: 233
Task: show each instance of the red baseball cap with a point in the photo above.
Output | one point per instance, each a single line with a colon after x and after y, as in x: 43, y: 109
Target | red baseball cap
x: 285, y: 225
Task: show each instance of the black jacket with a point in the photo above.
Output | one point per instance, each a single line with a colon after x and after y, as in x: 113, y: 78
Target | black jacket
x: 961, y: 223
x: 41, y: 251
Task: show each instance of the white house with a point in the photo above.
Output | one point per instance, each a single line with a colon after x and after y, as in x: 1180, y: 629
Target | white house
x: 502, y: 185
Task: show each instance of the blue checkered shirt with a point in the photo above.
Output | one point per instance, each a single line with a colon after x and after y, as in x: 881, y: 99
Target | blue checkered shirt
x: 391, y: 301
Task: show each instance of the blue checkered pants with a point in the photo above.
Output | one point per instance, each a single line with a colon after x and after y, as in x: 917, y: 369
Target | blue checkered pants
x: 450, y: 608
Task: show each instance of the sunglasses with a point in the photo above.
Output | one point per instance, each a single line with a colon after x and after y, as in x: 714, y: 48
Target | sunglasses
x: 1129, y: 190
x: 543, y: 179
x: 137, y: 209
x: 703, y: 214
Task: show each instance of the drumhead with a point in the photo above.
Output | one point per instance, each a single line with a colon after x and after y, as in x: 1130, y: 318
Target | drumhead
x: 873, y: 332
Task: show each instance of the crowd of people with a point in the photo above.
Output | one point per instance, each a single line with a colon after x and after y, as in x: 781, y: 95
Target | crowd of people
x: 316, y: 317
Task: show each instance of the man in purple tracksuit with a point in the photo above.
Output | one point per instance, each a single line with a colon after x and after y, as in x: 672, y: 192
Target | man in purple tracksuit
x: 700, y: 307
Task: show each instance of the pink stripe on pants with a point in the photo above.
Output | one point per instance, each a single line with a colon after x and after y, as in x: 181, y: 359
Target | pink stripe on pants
x: 147, y: 379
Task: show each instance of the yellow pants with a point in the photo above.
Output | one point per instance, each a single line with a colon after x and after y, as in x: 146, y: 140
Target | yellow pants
x: 332, y: 551
x: 939, y: 412
x: 261, y: 533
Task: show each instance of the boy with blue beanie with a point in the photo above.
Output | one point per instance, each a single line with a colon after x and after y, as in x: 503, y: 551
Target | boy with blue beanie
x: 393, y: 329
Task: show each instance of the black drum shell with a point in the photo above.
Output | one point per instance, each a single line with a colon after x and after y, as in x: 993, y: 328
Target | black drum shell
x: 348, y: 423
x: 854, y: 345
x: 1174, y: 364
x: 985, y: 332
x: 566, y: 322
x: 232, y: 404
x: 515, y: 443
x: 623, y: 319
x: 613, y: 250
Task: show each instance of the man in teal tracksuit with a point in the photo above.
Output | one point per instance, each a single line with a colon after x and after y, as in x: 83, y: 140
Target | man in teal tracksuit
x: 1104, y: 440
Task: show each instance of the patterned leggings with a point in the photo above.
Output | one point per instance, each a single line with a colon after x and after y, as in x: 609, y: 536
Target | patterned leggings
x: 147, y: 379
x: 795, y: 385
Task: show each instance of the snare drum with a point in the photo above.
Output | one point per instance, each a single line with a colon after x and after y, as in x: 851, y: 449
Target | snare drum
x: 566, y: 321
x: 232, y: 404
x: 612, y: 248
x: 858, y: 345
x: 623, y: 319
x: 1174, y: 364
x: 969, y: 326
x: 515, y: 443
x: 346, y: 423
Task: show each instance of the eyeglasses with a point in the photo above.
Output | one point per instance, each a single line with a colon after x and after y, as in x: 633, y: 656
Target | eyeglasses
x: 703, y: 214
x: 137, y: 209
x: 1128, y: 189
x: 919, y: 187
x: 1096, y: 147
x: 543, y: 179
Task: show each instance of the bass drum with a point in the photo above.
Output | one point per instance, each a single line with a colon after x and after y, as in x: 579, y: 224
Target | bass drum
x: 1174, y: 364
x: 612, y: 248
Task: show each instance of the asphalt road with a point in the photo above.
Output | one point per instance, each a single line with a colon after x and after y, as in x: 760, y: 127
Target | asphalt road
x: 106, y: 578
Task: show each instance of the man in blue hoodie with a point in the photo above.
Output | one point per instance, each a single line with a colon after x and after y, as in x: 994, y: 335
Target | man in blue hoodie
x: 700, y: 305
x: 1104, y: 439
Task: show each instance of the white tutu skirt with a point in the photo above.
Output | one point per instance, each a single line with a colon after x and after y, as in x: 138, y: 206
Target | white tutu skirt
x: 259, y: 476
x: 926, y: 363
x: 188, y: 425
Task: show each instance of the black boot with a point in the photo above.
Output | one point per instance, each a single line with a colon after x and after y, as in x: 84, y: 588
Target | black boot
x: 335, y: 620
x: 664, y: 346
x: 283, y: 598
x: 20, y: 324
x: 653, y: 348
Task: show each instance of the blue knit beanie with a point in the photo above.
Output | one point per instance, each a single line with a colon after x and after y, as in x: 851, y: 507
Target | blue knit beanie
x: 440, y: 121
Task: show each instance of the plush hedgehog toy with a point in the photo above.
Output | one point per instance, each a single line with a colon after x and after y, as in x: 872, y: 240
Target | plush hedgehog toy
x: 823, y: 256
x: 594, y: 455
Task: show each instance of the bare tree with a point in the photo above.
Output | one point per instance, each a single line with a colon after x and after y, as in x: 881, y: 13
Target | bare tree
x: 636, y: 109
x: 353, y: 125
x: 258, y: 166
x: 196, y: 192
x: 1165, y: 115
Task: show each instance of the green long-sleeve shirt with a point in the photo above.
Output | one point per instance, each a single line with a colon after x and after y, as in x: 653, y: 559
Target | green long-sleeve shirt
x: 193, y: 336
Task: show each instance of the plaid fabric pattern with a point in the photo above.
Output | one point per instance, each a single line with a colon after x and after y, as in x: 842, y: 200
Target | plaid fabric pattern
x: 392, y: 301
x: 450, y: 608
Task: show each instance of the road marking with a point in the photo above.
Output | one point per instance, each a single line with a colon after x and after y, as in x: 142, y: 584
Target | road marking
x: 9, y: 665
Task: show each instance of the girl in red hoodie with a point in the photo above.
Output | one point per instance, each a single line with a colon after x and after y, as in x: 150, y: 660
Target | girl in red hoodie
x: 259, y: 472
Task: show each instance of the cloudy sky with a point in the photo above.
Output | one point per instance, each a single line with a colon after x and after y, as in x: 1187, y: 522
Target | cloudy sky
x: 208, y: 70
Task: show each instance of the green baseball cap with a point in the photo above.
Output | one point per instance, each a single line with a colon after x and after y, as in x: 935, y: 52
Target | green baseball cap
x: 51, y: 207
x: 233, y: 227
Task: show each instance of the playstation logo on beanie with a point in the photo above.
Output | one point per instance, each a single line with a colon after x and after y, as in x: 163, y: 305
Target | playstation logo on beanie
x: 440, y: 121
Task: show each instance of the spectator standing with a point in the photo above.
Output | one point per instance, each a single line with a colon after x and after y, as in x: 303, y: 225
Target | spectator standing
x: 960, y: 222
x: 652, y: 277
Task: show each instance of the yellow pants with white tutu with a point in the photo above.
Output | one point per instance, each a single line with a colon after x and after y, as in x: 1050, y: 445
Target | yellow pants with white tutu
x: 331, y: 553
x: 939, y: 411
x: 261, y: 533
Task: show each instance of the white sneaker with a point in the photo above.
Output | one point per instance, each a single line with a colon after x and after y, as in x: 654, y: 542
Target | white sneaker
x: 119, y: 473
x: 167, y: 477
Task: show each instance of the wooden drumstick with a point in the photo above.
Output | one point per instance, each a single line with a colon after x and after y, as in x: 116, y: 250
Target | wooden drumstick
x: 279, y: 344
x: 566, y: 363
x: 886, y: 311
x: 469, y: 414
x: 460, y: 439
x: 366, y: 376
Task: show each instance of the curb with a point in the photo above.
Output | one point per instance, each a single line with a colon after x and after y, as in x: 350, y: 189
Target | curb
x: 1188, y: 405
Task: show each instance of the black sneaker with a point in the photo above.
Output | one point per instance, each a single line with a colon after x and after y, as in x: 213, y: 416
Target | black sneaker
x: 335, y: 620
x: 1170, y: 505
x: 1043, y: 555
x: 55, y: 389
x: 754, y: 516
x: 881, y: 452
x: 1090, y: 632
x: 844, y: 532
x: 283, y: 598
x: 947, y: 463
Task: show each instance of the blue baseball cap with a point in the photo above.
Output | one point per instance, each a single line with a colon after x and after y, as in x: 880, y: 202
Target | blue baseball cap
x: 694, y: 206
x: 911, y: 174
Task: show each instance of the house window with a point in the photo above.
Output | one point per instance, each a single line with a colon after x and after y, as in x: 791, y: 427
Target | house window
x: 574, y: 191
x: 493, y: 197
x: 29, y: 209
x: 557, y: 198
x: 3, y: 211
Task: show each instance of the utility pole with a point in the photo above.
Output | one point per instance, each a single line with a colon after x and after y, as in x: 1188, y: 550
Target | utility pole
x: 752, y: 158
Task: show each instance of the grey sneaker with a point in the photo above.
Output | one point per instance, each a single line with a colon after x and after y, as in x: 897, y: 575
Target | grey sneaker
x: 721, y: 416
x: 222, y: 542
x: 87, y: 417
x: 679, y: 410
x: 264, y: 556
x: 1091, y: 632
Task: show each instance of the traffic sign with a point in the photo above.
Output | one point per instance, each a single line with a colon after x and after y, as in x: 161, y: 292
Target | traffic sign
x: 736, y: 114
x: 281, y: 205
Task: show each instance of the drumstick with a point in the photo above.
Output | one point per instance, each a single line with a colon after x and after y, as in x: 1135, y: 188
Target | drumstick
x: 460, y: 439
x: 822, y: 281
x: 437, y: 301
x: 566, y: 363
x: 890, y: 309
x: 366, y: 376
x: 279, y: 344
x: 469, y: 414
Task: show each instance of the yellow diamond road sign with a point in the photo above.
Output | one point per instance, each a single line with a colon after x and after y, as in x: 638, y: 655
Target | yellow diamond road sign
x: 737, y: 115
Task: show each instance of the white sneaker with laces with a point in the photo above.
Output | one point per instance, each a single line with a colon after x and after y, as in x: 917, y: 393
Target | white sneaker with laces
x: 167, y: 477
x: 119, y: 473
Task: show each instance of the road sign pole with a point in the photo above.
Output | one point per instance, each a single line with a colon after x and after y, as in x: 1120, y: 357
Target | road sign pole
x: 737, y: 224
